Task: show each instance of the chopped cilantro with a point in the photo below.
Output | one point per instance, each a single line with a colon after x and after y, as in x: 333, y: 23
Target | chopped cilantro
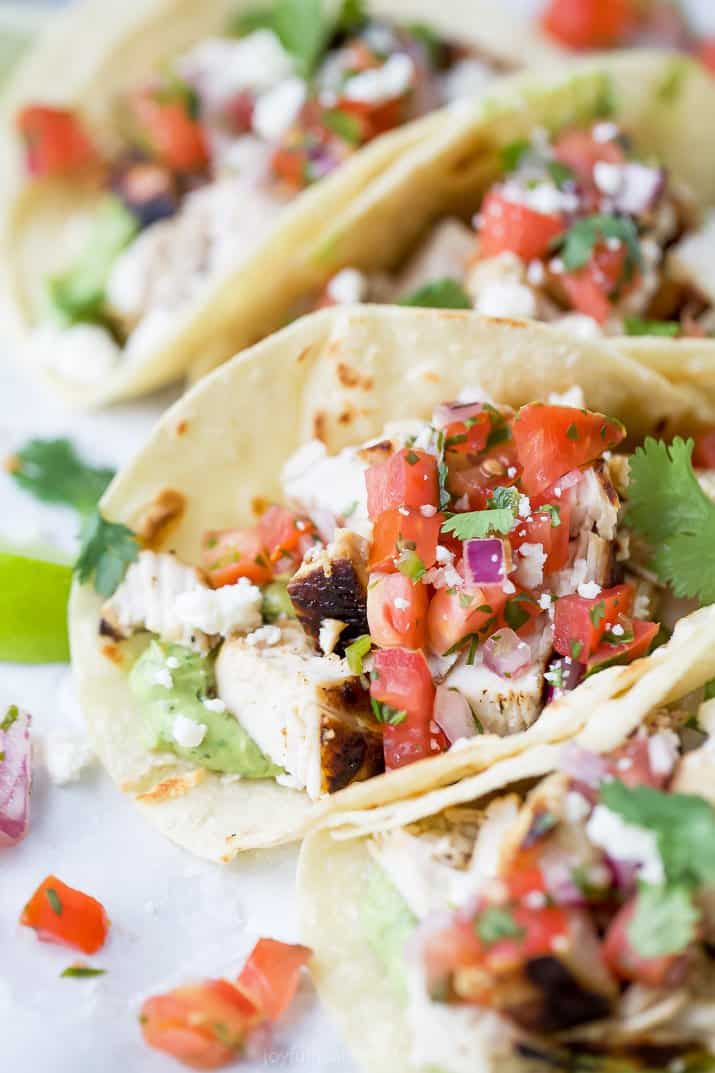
x: 709, y: 692
x: 356, y: 652
x: 597, y: 612
x: 54, y: 899
x: 572, y: 432
x: 81, y: 972
x: 495, y: 923
x: 560, y: 173
x: 668, y: 508
x: 515, y: 615
x: 505, y: 498
x: 106, y: 551
x: 446, y: 293
x: 345, y: 125
x: 479, y: 523
x: 411, y: 566
x: 581, y: 237
x: 512, y: 154
x: 664, y: 922
x: 51, y: 470
x: 576, y: 649
x: 11, y: 716
x: 411, y: 458
x: 638, y: 326
x: 385, y: 714
x: 554, y: 513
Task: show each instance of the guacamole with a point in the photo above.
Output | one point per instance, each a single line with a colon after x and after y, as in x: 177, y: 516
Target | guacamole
x: 387, y: 922
x: 169, y: 682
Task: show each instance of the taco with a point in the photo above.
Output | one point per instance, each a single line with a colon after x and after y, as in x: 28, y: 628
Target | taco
x: 158, y: 191
x: 561, y: 922
x: 222, y: 651
x: 579, y: 205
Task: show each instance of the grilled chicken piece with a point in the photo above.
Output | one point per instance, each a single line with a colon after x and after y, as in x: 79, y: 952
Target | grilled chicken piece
x: 332, y: 584
x: 444, y: 254
x: 595, y: 503
x: 504, y: 706
x: 691, y: 261
x: 308, y: 713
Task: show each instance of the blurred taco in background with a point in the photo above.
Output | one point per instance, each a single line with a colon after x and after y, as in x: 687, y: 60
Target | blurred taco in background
x: 376, y: 554
x: 529, y: 923
x: 163, y: 181
x: 577, y: 202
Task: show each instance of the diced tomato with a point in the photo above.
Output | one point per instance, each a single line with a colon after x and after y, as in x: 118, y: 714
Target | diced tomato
x: 404, y: 532
x: 55, y: 140
x: 455, y: 614
x: 589, y: 24
x: 510, y: 226
x: 551, y: 440
x: 632, y: 764
x: 175, y: 138
x: 407, y: 479
x: 284, y: 533
x: 375, y: 117
x: 626, y: 963
x: 61, y: 914
x: 580, y: 151
x: 704, y: 450
x: 270, y: 977
x: 403, y: 681
x: 469, y: 436
x: 591, y: 289
x: 203, y: 1025
x: 289, y: 163
x: 580, y: 622
x: 397, y: 611
x: 539, y: 529
x: 229, y: 554
x: 705, y: 52
x: 644, y: 634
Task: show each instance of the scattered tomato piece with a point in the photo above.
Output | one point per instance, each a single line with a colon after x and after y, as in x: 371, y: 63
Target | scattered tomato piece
x: 55, y: 141
x: 403, y: 681
x: 271, y: 975
x: 580, y: 622
x: 61, y: 914
x: 229, y: 554
x: 175, y: 138
x: 407, y: 479
x: 509, y: 226
x: 551, y: 440
x: 589, y: 24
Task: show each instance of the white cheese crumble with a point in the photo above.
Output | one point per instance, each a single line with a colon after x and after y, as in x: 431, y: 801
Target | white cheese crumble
x: 276, y: 111
x: 524, y: 509
x: 444, y: 555
x: 220, y: 67
x: 380, y: 84
x: 663, y: 752
x: 576, y: 807
x: 187, y: 733
x: 589, y: 590
x: 530, y: 571
x: 506, y: 299
x: 162, y: 677
x: 607, y: 177
x: 427, y: 510
x: 573, y: 396
x: 330, y: 630
x: 265, y: 635
x: 348, y: 287
x: 66, y: 759
x: 545, y: 601
x: 230, y: 609
x: 626, y: 842
x: 465, y: 78
x: 544, y: 197
x: 214, y: 704
x: 401, y: 604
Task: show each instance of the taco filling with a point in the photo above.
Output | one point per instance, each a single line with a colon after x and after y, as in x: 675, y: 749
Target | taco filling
x: 565, y: 925
x: 445, y: 580
x: 578, y: 231
x: 205, y: 155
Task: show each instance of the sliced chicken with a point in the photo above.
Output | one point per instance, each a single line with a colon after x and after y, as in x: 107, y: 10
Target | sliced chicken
x: 443, y: 255
x: 691, y: 262
x: 147, y: 596
x: 332, y: 585
x: 308, y: 713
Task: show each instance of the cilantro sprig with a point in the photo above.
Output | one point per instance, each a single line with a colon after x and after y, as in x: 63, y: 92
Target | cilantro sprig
x: 51, y: 470
x: 446, y: 293
x: 581, y: 238
x: 668, y: 508
x: 479, y: 523
x: 107, y: 549
x: 304, y: 27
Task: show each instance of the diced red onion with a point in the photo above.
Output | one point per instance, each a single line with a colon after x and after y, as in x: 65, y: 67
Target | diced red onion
x: 325, y: 523
x: 582, y: 765
x: 571, y: 674
x: 486, y: 560
x: 15, y: 778
x: 624, y: 873
x: 453, y: 715
x: 506, y: 654
x: 558, y: 879
x: 447, y: 412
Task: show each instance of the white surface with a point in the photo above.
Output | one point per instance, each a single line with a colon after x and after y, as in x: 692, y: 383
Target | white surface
x: 174, y: 918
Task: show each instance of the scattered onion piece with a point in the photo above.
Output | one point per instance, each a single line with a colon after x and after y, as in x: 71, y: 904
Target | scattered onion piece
x: 453, y: 715
x: 506, y: 654
x: 15, y: 776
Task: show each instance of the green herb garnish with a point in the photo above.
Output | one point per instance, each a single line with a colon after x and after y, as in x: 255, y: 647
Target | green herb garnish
x: 581, y: 238
x: 385, y: 714
x: 356, y: 652
x: 479, y: 523
x: 495, y: 923
x: 106, y: 551
x: 638, y: 326
x: 51, y: 470
x: 81, y: 972
x: 444, y: 293
x: 54, y: 899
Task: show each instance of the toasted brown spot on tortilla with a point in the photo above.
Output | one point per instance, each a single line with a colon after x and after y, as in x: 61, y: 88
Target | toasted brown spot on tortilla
x: 259, y: 505
x: 108, y: 629
x: 176, y: 786
x: 377, y: 452
x: 319, y: 426
x: 431, y: 376
x: 165, y: 509
x: 112, y: 652
x: 346, y: 417
x: 304, y: 354
x: 181, y: 427
x: 350, y: 377
x: 508, y: 320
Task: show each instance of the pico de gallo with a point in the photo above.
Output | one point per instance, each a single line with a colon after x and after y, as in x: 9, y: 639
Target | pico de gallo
x: 579, y: 231
x: 448, y: 579
x: 600, y: 24
x: 210, y: 150
x: 580, y: 913
x: 210, y: 1024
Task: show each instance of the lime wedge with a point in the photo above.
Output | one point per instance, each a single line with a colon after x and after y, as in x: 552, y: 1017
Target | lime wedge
x: 33, y: 610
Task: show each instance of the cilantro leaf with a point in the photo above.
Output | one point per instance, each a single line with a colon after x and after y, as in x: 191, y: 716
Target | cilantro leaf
x: 638, y: 326
x: 664, y: 921
x: 512, y: 154
x: 351, y: 17
x: 669, y: 509
x: 446, y: 293
x: 51, y: 470
x: 479, y: 523
x: 302, y: 26
x: 683, y: 824
x: 506, y: 498
x: 345, y: 125
x: 581, y: 237
x: 107, y: 549
x: 495, y: 923
x: 356, y: 652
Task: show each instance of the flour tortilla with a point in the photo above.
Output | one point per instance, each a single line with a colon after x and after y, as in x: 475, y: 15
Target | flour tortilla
x: 115, y: 47
x: 332, y: 874
x: 340, y: 375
